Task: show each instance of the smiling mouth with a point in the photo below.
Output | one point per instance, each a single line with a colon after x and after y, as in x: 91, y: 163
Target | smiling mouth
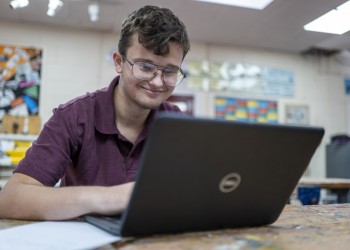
x: 153, y: 91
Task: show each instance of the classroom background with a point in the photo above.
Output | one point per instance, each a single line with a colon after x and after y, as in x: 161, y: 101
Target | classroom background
x: 224, y: 81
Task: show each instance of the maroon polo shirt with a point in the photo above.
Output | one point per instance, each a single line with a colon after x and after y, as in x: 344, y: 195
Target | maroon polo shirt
x: 81, y: 145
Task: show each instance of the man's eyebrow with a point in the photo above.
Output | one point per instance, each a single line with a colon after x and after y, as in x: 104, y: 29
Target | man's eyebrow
x: 150, y: 61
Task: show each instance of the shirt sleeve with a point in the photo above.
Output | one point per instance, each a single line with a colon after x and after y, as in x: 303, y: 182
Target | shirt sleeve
x: 50, y: 155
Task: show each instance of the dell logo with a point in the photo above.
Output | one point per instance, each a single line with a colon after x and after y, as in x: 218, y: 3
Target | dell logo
x: 230, y: 182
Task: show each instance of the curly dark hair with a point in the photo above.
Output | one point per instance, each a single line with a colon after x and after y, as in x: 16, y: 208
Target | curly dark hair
x: 156, y: 28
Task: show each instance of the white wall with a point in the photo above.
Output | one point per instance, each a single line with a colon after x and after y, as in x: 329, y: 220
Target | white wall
x: 74, y: 62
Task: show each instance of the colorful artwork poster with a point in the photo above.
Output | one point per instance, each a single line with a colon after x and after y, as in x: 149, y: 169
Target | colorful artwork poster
x: 247, y: 110
x: 20, y: 77
x: 239, y: 77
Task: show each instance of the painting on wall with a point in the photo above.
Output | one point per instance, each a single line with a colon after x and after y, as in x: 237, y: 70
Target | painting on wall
x: 184, y: 102
x: 297, y: 114
x: 20, y: 77
x: 249, y: 110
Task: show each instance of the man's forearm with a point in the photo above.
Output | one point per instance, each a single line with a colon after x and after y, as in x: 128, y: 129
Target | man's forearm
x: 36, y: 202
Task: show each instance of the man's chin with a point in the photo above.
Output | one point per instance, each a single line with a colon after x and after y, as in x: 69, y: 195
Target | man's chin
x: 149, y: 105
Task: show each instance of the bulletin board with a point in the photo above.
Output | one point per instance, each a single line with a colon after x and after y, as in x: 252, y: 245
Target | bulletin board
x: 20, y: 78
x: 239, y: 77
x: 250, y: 110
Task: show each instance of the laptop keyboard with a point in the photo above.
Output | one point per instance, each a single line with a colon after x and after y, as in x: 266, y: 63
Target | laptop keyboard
x: 113, y: 219
x: 110, y: 224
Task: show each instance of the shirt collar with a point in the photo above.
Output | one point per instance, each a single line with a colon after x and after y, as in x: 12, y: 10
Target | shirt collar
x: 105, y: 111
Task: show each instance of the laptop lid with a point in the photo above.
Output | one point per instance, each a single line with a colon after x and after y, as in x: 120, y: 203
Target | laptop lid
x: 205, y: 174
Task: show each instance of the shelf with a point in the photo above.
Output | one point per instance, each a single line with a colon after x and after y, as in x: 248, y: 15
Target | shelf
x: 7, y: 165
x: 18, y: 137
x: 6, y: 174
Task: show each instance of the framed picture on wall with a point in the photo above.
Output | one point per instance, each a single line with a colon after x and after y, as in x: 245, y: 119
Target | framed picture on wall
x: 184, y: 102
x: 297, y: 114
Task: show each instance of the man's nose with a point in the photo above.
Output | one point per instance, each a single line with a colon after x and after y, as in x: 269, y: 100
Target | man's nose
x: 157, y: 80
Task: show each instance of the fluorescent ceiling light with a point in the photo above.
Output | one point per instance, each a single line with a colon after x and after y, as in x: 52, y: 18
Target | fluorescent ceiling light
x: 336, y: 21
x: 93, y: 10
x: 53, y: 6
x: 251, y: 4
x: 14, y: 4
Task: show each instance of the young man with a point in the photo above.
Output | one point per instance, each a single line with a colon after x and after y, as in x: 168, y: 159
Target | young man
x: 93, y: 143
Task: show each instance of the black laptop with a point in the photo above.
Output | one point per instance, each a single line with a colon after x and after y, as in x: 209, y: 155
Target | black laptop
x: 201, y: 174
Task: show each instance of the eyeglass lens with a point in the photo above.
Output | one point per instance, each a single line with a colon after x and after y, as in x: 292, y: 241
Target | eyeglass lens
x: 147, y: 71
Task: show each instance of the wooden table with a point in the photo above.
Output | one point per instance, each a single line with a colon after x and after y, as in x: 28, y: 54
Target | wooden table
x: 299, y: 227
x: 337, y: 185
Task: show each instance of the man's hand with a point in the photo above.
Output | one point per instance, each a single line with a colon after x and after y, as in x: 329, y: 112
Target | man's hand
x: 116, y: 199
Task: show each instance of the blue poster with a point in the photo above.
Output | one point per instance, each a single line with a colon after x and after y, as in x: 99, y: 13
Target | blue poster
x: 347, y: 86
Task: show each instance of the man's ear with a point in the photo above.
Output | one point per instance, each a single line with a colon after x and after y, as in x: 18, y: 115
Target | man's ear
x: 117, y: 59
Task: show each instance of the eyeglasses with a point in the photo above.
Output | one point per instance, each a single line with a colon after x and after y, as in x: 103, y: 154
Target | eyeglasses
x: 142, y: 70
